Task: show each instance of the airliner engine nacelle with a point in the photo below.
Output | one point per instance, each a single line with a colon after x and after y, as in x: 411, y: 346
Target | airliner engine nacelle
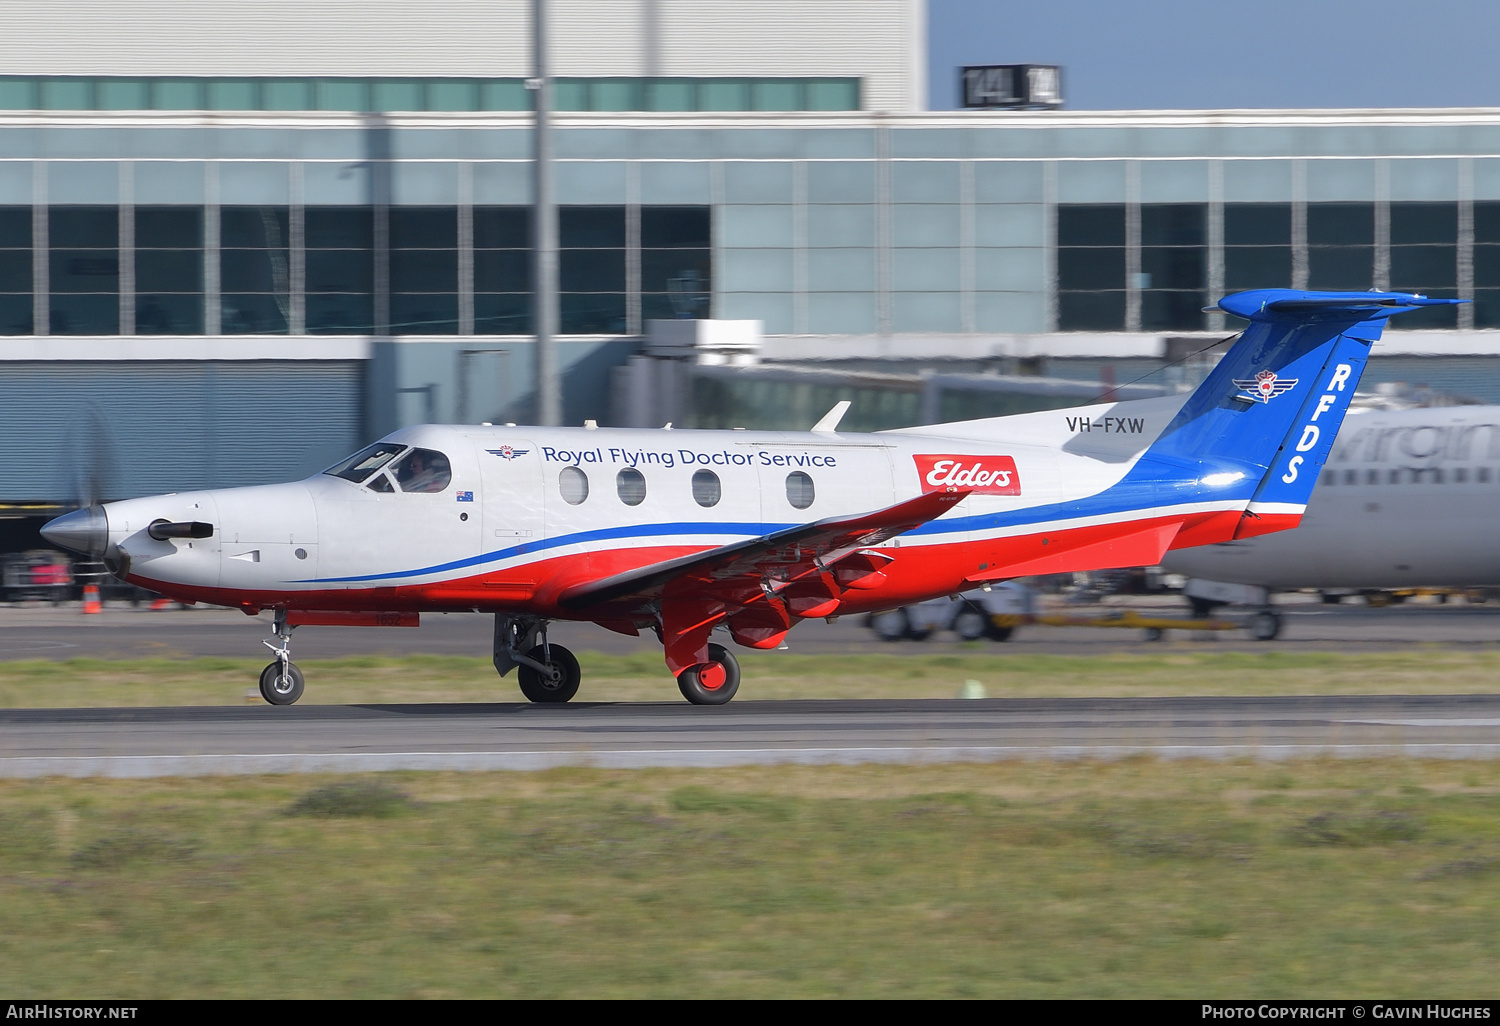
x: 684, y: 532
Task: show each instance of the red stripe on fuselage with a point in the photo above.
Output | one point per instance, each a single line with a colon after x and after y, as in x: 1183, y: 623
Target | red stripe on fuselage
x: 918, y: 572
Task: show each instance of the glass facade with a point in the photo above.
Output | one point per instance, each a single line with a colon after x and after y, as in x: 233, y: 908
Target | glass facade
x: 83, y: 272
x: 15, y: 271
x: 260, y: 286
x: 843, y: 224
x: 22, y: 92
x: 255, y: 270
x: 424, y: 270
x: 168, y: 270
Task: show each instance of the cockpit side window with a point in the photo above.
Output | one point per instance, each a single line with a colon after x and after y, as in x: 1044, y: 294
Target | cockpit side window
x: 365, y: 462
x: 423, y: 470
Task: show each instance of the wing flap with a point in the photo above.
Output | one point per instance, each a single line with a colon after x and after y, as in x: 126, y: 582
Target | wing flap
x: 794, y: 547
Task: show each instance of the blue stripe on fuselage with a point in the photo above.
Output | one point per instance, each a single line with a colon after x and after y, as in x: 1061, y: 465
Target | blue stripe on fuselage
x: 1145, y: 487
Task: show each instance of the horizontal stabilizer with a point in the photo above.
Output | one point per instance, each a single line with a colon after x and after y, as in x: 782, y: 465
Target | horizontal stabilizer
x: 1295, y: 305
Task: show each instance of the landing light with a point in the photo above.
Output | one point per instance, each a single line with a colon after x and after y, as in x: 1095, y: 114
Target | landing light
x: 1220, y: 480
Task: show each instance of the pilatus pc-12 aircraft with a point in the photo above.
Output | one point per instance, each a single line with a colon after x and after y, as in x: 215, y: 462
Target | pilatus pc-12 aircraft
x: 750, y: 532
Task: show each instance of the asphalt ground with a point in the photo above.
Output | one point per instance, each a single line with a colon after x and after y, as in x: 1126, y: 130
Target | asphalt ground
x: 266, y: 739
x: 124, y: 632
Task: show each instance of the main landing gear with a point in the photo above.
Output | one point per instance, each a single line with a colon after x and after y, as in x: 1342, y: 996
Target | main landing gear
x: 281, y: 682
x: 550, y: 673
x: 546, y: 672
x: 713, y: 682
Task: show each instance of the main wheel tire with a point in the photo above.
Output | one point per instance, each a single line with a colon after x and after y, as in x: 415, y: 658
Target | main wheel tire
x: 997, y: 633
x: 278, y: 688
x: 1265, y: 625
x: 971, y: 623
x: 892, y: 625
x: 559, y: 685
x: 713, y: 682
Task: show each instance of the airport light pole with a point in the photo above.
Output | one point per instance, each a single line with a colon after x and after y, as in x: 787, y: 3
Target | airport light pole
x: 544, y: 226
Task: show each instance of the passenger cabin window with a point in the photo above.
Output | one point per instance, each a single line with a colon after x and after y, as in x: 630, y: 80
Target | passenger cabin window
x: 573, y: 484
x: 423, y: 470
x: 365, y: 462
x: 706, y: 489
x: 1329, y: 478
x: 631, y: 485
x: 799, y: 490
x: 1483, y: 475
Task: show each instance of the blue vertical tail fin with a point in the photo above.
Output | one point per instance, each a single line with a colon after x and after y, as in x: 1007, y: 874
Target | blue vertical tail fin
x: 1261, y: 425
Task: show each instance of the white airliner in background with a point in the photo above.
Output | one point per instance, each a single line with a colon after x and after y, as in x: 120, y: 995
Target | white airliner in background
x: 1408, y: 498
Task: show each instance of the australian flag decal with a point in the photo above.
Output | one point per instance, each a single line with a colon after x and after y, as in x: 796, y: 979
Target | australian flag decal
x: 1264, y: 387
x: 465, y: 496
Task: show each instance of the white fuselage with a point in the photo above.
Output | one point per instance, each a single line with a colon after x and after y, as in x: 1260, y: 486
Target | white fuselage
x: 508, y: 530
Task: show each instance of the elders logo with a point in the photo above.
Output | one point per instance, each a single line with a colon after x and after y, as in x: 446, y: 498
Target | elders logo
x: 982, y: 475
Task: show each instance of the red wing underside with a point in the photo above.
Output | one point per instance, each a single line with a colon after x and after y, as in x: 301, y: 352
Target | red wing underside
x: 757, y: 586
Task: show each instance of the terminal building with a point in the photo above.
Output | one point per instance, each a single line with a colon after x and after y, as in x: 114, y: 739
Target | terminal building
x: 238, y: 245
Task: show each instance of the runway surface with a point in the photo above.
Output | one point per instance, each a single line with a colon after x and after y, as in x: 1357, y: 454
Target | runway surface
x: 234, y: 740
x: 123, y: 632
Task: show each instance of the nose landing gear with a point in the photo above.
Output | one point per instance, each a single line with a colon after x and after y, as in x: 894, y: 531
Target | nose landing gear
x: 281, y: 682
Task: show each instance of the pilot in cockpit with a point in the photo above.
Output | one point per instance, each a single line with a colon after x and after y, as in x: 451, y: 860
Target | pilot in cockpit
x: 423, y: 470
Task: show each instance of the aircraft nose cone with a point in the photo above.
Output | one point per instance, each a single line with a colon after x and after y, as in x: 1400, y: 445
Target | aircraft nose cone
x: 85, y: 531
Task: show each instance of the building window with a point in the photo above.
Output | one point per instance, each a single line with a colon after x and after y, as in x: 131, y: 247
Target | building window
x: 1424, y: 258
x: 169, y: 270
x: 502, y: 270
x: 15, y: 271
x: 1173, y: 264
x: 675, y: 262
x: 424, y: 270
x: 84, y: 270
x: 340, y: 270
x: 1486, y: 264
x: 254, y: 271
x: 1257, y: 246
x: 591, y: 270
x: 1091, y: 267
x: 1340, y: 246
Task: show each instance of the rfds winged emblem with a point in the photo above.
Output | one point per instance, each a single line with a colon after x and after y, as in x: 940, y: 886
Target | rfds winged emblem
x: 505, y: 452
x: 1264, y: 387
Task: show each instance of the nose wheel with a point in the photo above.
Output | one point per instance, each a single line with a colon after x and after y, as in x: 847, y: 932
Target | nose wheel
x: 281, y: 682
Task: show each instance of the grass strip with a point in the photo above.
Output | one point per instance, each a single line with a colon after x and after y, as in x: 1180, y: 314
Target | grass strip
x: 1128, y: 879
x: 641, y: 677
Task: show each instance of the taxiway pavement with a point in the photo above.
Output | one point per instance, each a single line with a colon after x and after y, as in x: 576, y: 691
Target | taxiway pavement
x: 301, y: 739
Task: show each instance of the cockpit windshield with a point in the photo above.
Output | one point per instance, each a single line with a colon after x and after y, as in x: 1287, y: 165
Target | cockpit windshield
x: 365, y: 462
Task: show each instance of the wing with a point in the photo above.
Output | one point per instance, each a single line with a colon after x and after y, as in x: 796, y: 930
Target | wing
x: 756, y: 585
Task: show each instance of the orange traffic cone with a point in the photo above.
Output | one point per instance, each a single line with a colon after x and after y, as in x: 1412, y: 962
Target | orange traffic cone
x: 91, y: 603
